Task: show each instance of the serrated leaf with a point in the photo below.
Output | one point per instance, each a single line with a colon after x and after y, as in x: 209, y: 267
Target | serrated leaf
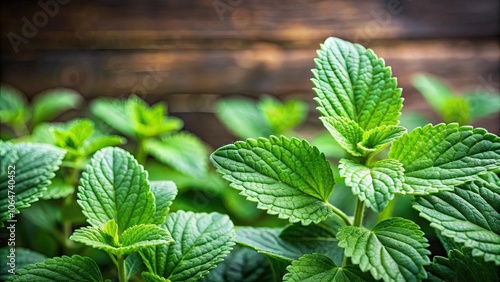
x: 352, y: 82
x: 435, y: 92
x: 183, y: 152
x: 316, y: 267
x: 436, y: 158
x: 115, y: 186
x: 13, y: 105
x: 460, y: 265
x: 242, y: 264
x: 26, y: 170
x: 375, y: 185
x: 60, y: 269
x: 243, y: 118
x: 282, y: 116
x: 133, y: 239
x: 165, y: 193
x: 346, y: 132
x: 50, y: 103
x: 268, y: 241
x: 112, y: 112
x: 287, y: 177
x: 201, y: 242
x: 378, y: 138
x: 17, y: 260
x: 394, y: 250
x: 469, y: 215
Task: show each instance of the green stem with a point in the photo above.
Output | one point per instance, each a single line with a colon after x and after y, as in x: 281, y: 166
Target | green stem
x: 342, y: 215
x: 386, y: 213
x: 140, y: 154
x: 358, y: 213
x: 122, y: 271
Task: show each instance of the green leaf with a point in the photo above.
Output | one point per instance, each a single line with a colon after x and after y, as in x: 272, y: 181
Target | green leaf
x: 460, y: 265
x: 164, y: 193
x: 469, y: 215
x: 13, y: 106
x: 316, y: 267
x: 276, y: 244
x: 183, y: 151
x: 60, y: 269
x: 435, y: 92
x: 134, y: 265
x: 94, y: 144
x: 287, y: 177
x: 113, y: 113
x: 26, y: 170
x: 375, y: 185
x: 436, y: 158
x: 17, y: 260
x: 242, y: 264
x: 58, y: 189
x: 49, y: 104
x: 282, y: 116
x: 201, y: 242
x: 378, y: 138
x: 346, y: 132
x: 243, y: 118
x: 115, y: 186
x: 352, y: 82
x: 483, y: 104
x: 133, y: 239
x: 394, y: 250
x: 456, y: 109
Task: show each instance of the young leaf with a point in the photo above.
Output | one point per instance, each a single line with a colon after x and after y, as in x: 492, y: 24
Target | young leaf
x: 26, y: 170
x: 164, y: 193
x: 243, y: 118
x: 436, y: 158
x: 274, y: 244
x: 352, y: 82
x: 316, y: 267
x: 13, y: 105
x: 434, y: 91
x: 112, y: 112
x: 287, y: 177
x: 21, y: 258
x: 346, y: 132
x: 378, y: 138
x: 49, y: 104
x: 394, y: 250
x: 184, y: 152
x: 282, y: 116
x: 133, y: 239
x: 468, y: 215
x: 201, y: 242
x: 460, y: 265
x: 75, y: 268
x: 115, y: 186
x: 375, y: 185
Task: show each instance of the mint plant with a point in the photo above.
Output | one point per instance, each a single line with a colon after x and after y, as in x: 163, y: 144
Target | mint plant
x: 447, y: 168
x: 129, y: 220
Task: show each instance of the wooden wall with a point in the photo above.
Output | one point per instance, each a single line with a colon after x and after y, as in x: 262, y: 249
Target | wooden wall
x: 190, y: 53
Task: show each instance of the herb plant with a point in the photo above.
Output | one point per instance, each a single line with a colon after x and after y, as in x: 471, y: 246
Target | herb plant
x: 447, y: 168
x: 129, y: 220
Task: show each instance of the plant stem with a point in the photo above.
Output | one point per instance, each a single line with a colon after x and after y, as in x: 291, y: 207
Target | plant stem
x: 140, y: 154
x: 386, y: 213
x: 358, y: 213
x: 122, y: 271
x: 342, y: 215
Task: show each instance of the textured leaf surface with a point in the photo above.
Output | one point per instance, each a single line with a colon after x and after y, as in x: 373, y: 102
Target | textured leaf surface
x: 275, y: 244
x: 243, y: 118
x: 183, y: 152
x: 436, y: 158
x: 29, y: 168
x: 23, y: 257
x: 375, y: 185
x: 165, y: 193
x: 75, y: 268
x: 378, y: 138
x: 394, y: 250
x: 346, y: 132
x: 352, y: 82
x: 115, y: 186
x: 201, y: 242
x: 131, y: 240
x: 287, y: 177
x: 470, y: 215
x: 460, y: 265
x: 316, y: 267
x: 49, y: 104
